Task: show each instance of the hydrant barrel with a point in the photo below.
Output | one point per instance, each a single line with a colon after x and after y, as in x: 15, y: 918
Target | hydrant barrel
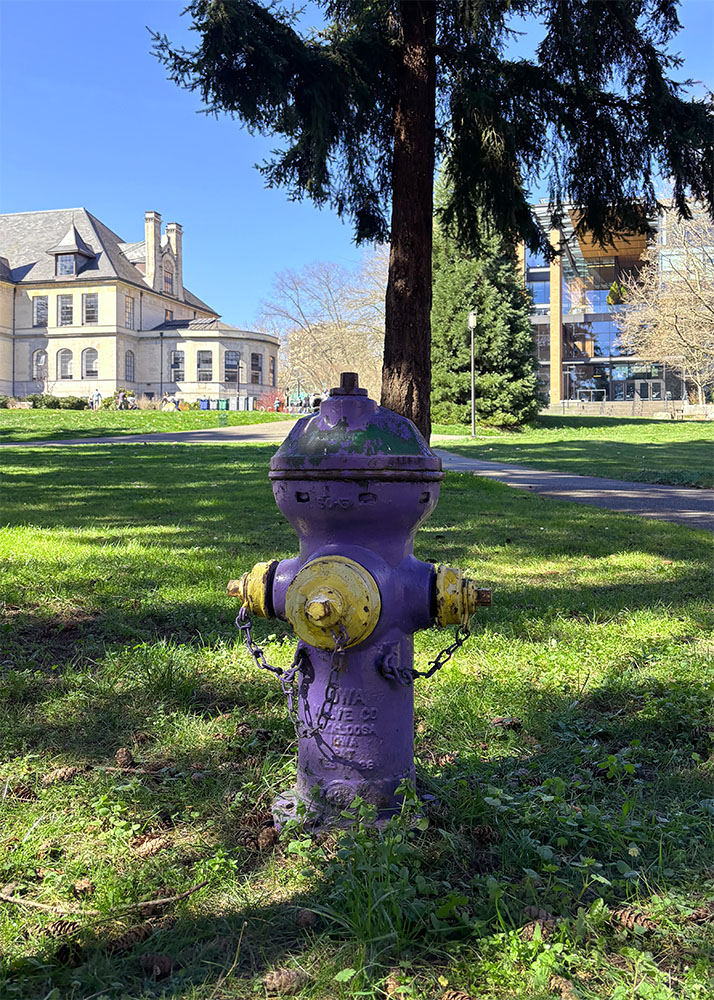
x: 355, y: 481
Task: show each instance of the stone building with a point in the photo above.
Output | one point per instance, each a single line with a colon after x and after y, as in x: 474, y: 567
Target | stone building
x: 81, y: 309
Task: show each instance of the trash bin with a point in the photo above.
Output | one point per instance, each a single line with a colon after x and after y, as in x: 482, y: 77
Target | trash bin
x: 203, y: 404
x: 222, y: 404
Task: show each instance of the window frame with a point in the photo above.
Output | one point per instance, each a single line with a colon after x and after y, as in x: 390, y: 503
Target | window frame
x: 176, y: 373
x: 61, y: 304
x: 59, y: 258
x: 37, y: 375
x: 273, y: 369
x: 129, y: 366
x: 256, y: 368
x: 85, y: 297
x: 231, y: 375
x: 129, y: 312
x: 36, y: 299
x: 70, y: 366
x: 205, y: 368
x: 90, y: 373
x: 168, y: 276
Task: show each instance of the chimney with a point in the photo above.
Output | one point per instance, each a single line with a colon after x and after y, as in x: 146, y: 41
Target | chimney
x: 152, y: 237
x: 174, y: 232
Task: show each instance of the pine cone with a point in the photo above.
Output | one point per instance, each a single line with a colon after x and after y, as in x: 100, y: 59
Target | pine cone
x: 164, y: 923
x: 486, y: 834
x: 124, y: 757
x: 131, y: 937
x: 563, y: 986
x: 83, y: 887
x: 247, y: 839
x: 62, y: 928
x: 258, y: 818
x: 456, y: 995
x: 285, y: 981
x: 22, y: 792
x: 507, y: 722
x: 140, y: 737
x: 148, y: 845
x: 703, y: 914
x: 630, y: 918
x: 305, y: 918
x: 528, y: 931
x: 156, y: 965
x: 60, y: 774
x: 267, y: 838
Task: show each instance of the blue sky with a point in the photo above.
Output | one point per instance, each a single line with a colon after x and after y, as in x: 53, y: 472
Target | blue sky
x: 87, y: 118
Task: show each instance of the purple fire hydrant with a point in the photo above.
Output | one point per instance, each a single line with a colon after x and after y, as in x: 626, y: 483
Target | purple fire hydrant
x: 355, y: 481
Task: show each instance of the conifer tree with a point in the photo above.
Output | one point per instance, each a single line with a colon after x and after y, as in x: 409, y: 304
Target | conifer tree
x: 369, y: 103
x: 506, y: 387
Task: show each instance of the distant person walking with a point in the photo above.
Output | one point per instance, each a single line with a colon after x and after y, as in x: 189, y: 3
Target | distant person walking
x: 95, y: 400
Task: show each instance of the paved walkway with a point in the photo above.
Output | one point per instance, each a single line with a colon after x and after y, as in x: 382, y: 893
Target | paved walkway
x: 693, y: 507
x: 244, y: 434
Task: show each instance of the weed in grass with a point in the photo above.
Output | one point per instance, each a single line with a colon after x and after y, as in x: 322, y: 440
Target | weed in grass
x: 119, y: 635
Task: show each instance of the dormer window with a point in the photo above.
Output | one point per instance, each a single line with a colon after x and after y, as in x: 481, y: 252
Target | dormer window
x: 168, y: 270
x: 65, y: 263
x: 71, y: 254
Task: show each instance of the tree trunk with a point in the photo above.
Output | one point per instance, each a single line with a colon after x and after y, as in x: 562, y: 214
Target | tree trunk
x: 406, y: 373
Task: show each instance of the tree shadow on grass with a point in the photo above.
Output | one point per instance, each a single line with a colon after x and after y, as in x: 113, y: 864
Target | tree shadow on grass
x: 539, y: 787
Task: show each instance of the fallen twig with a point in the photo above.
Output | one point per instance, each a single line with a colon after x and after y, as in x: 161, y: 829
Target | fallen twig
x: 60, y: 910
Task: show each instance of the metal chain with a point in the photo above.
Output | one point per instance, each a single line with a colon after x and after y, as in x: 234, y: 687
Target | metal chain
x: 407, y: 675
x: 300, y: 665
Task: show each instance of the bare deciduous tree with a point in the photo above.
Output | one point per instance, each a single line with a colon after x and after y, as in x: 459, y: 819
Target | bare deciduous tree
x: 330, y: 320
x: 669, y: 314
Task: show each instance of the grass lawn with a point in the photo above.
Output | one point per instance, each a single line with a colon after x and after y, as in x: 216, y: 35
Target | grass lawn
x: 44, y: 425
x: 633, y: 449
x: 596, y: 792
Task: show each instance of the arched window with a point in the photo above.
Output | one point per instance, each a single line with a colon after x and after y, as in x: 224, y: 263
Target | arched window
x: 129, y: 366
x: 168, y: 269
x: 39, y: 365
x: 231, y: 366
x: 90, y: 363
x: 64, y: 364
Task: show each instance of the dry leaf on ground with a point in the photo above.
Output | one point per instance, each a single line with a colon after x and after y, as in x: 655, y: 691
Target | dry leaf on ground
x: 284, y: 981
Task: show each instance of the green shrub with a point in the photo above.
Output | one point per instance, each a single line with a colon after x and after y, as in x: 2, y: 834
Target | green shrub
x: 448, y: 412
x: 43, y: 401
x: 73, y: 403
x: 3, y: 402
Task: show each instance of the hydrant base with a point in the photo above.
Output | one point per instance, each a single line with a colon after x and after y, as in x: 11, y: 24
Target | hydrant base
x: 315, y: 815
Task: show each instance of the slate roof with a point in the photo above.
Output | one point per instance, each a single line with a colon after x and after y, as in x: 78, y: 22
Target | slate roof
x: 72, y: 242
x: 26, y: 237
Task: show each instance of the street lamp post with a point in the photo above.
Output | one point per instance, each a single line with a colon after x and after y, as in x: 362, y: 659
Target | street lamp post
x: 473, y: 320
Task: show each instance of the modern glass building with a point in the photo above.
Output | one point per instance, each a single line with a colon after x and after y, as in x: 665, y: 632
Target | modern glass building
x: 577, y: 341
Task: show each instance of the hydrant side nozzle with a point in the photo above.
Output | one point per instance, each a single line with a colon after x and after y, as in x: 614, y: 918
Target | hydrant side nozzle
x: 457, y: 597
x: 255, y: 588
